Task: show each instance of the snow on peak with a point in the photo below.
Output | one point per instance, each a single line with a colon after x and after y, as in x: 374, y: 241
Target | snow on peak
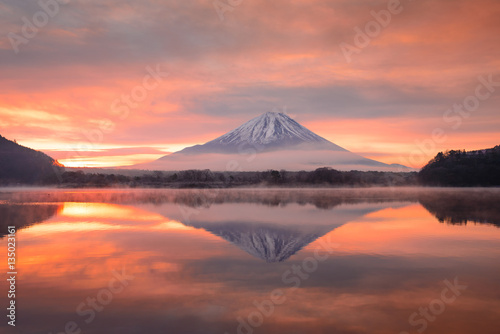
x: 268, y: 128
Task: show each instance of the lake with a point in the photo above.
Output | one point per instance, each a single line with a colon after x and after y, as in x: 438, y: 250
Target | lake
x: 253, y: 260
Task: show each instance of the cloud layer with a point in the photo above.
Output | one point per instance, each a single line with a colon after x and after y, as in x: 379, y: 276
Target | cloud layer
x: 79, y: 83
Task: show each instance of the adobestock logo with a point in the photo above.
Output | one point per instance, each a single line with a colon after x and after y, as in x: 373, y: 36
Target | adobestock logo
x: 453, y: 117
x: 292, y: 279
x: 436, y: 307
x: 371, y: 30
x: 221, y: 7
x: 91, y: 305
x: 31, y: 28
x: 122, y: 105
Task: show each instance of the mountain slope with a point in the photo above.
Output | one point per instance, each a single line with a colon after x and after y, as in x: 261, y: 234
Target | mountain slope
x: 269, y: 131
x: 265, y: 241
x: 19, y: 164
x: 269, y: 141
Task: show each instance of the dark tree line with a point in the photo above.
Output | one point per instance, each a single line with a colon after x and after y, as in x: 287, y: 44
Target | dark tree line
x: 22, y: 165
x: 206, y: 178
x: 461, y: 168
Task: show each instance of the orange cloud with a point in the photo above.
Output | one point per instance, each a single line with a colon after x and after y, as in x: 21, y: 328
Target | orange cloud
x: 61, y: 86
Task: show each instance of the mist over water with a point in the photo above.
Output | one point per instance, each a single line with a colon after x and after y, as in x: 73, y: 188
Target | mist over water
x: 208, y: 261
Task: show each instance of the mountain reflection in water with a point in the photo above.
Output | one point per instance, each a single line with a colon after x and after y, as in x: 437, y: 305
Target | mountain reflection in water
x: 202, y: 258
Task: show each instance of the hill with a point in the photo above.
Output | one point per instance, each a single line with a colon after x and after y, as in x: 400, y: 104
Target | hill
x: 462, y: 168
x: 22, y: 165
x: 269, y: 141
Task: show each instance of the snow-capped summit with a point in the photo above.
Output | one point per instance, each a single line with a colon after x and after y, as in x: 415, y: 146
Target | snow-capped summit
x: 272, y: 140
x: 271, y: 127
x: 269, y: 131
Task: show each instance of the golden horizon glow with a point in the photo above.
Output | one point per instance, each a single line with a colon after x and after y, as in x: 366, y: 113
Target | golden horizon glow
x: 111, y: 161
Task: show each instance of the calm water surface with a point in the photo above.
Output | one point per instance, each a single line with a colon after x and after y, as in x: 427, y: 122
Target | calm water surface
x: 254, y: 261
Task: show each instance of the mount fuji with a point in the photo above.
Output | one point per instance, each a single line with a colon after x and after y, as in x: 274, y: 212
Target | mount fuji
x: 270, y: 141
x: 268, y: 132
x: 268, y: 242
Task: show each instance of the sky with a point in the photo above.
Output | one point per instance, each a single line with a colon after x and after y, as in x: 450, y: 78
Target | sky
x: 115, y: 82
